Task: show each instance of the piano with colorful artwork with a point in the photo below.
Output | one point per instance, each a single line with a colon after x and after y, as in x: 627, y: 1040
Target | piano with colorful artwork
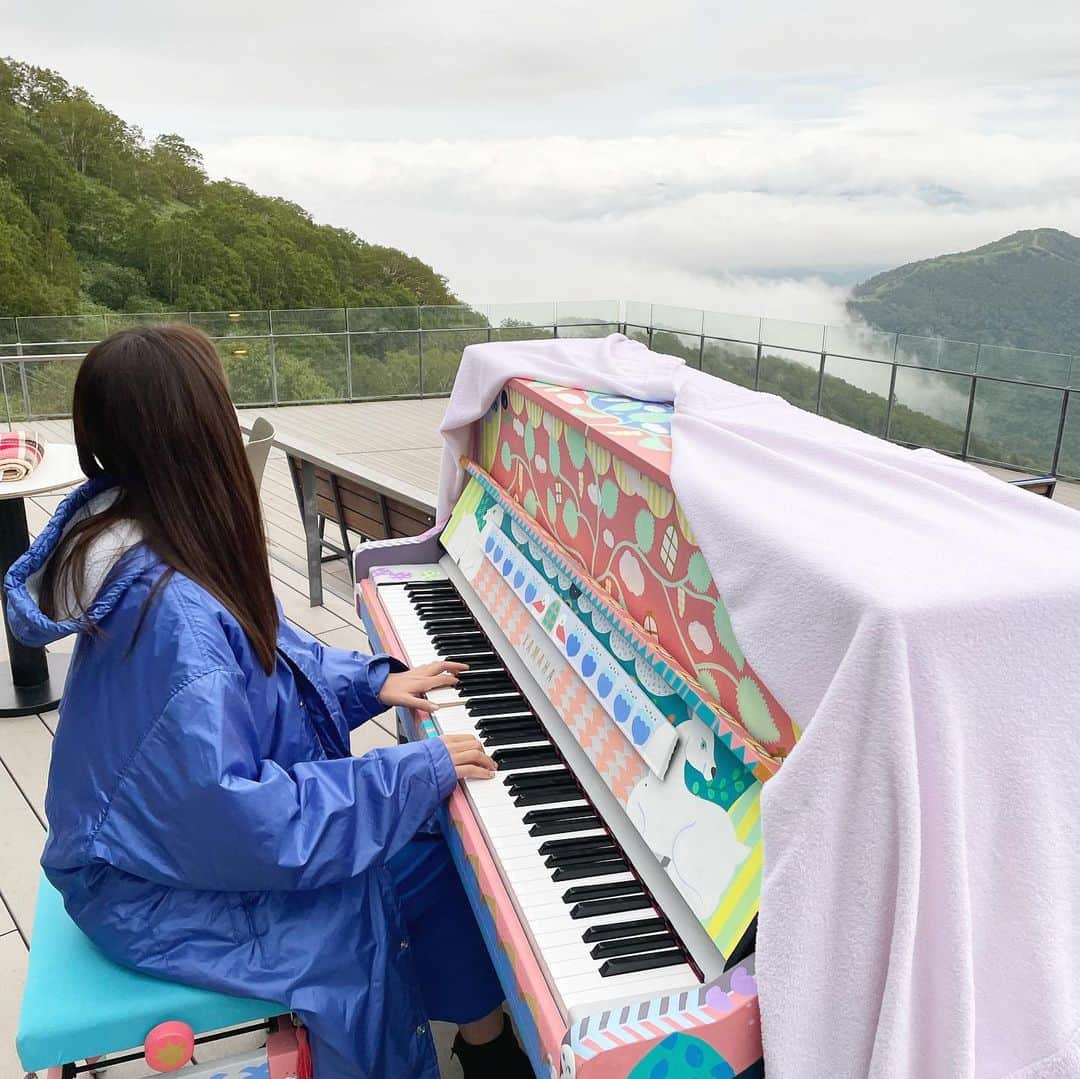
x: 614, y: 864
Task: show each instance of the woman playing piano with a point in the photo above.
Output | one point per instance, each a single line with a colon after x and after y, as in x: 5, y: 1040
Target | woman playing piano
x: 207, y: 823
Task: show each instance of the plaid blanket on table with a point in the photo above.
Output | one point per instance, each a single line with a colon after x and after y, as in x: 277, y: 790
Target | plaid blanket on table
x: 20, y: 454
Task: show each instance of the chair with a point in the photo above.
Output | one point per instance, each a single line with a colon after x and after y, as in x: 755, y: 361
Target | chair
x: 259, y: 443
x: 78, y: 1005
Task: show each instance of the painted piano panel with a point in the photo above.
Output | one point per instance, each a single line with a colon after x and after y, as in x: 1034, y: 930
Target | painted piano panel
x: 593, y: 469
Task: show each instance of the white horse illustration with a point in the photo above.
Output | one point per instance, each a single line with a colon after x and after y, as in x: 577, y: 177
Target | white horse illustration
x: 694, y: 839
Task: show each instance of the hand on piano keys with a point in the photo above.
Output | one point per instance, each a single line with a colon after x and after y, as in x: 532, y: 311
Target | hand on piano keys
x: 407, y: 689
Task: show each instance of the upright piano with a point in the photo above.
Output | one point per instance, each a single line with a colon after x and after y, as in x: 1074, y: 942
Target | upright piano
x: 614, y: 863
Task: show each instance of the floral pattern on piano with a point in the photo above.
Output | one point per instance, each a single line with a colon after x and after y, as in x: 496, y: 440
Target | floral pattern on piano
x: 593, y: 469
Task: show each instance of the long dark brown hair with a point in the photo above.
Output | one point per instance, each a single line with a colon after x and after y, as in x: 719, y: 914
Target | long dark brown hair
x: 152, y: 412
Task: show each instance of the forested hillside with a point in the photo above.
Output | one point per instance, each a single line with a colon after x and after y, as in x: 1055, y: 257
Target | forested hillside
x: 1023, y: 290
x: 95, y: 217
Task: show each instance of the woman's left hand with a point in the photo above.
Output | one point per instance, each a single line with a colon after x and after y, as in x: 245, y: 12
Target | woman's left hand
x: 407, y: 688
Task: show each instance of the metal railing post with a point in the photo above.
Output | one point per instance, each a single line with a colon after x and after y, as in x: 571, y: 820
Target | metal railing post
x: 348, y: 358
x: 1060, y: 431
x: 892, y: 389
x: 420, y: 347
x: 757, y: 365
x: 7, y: 400
x: 970, y: 412
x: 22, y: 372
x: 271, y: 353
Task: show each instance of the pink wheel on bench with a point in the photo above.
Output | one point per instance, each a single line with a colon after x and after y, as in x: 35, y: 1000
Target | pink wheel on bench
x: 169, y: 1046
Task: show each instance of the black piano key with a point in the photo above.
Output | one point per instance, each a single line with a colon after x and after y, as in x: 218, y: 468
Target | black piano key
x: 447, y: 622
x: 468, y: 657
x: 525, y: 757
x: 485, y: 689
x: 589, y: 869
x: 577, y: 845
x: 550, y: 777
x: 558, y: 827
x: 539, y: 783
x: 507, y: 722
x: 517, y: 721
x: 416, y: 590
x: 627, y: 964
x: 536, y: 816
x: 444, y: 642
x: 511, y: 738
x: 593, y: 907
x: 498, y: 706
x: 615, y: 930
x: 490, y: 674
x: 602, y: 891
x: 607, y: 949
x: 550, y: 789
x: 436, y: 606
x: 576, y: 858
x: 547, y: 796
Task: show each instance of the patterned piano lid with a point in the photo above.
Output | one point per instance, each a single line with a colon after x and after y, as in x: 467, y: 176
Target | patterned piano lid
x: 593, y: 470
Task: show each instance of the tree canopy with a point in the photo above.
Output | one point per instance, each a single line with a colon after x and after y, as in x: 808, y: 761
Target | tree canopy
x: 93, y: 217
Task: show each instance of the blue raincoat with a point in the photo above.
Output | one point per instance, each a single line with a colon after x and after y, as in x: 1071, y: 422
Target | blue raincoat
x: 207, y: 823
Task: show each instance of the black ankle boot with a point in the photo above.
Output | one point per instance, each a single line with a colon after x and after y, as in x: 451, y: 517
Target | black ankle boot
x: 501, y: 1058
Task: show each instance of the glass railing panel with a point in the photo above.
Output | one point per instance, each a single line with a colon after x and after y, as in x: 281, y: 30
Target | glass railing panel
x: 936, y: 353
x: 9, y: 331
x: 247, y: 366
x: 732, y: 361
x: 685, y: 345
x: 522, y: 333
x: 61, y: 330
x: 442, y: 356
x: 589, y: 329
x: 316, y: 320
x: 856, y: 393
x: 365, y: 319
x: 385, y: 364
x: 1014, y: 424
x: 1023, y: 365
x: 677, y: 319
x: 638, y: 333
x: 791, y: 375
x: 452, y: 317
x: 930, y: 409
x: 1069, y: 458
x: 310, y: 367
x: 637, y: 313
x: 49, y: 385
x: 792, y: 335
x: 860, y: 342
x: 731, y: 327
x: 509, y: 316
x: 586, y: 312
x: 232, y: 323
x: 125, y: 320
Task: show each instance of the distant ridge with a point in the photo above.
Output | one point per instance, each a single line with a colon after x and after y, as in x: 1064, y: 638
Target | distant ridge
x: 95, y: 218
x: 1022, y: 290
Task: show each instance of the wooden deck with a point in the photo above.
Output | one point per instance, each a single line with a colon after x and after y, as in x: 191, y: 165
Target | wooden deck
x: 402, y: 440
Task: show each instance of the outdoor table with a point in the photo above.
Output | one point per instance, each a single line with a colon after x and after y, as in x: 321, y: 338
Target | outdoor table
x: 33, y: 680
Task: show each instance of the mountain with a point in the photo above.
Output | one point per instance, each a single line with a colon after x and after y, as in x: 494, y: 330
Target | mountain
x: 1023, y: 290
x: 94, y: 217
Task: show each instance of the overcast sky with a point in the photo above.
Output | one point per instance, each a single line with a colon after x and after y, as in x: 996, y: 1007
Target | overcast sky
x: 694, y: 153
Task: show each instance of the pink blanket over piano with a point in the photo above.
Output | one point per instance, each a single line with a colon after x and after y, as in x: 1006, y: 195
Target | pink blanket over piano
x: 920, y: 620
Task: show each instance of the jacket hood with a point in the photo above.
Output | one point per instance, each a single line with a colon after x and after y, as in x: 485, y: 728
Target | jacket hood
x: 28, y: 622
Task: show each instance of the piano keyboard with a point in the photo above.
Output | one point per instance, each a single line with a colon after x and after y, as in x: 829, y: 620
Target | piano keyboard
x: 599, y: 931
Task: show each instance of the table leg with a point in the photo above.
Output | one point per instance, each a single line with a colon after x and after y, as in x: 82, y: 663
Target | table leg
x: 32, y: 681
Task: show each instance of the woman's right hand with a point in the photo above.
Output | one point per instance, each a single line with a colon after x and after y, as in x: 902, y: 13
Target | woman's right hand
x: 470, y: 760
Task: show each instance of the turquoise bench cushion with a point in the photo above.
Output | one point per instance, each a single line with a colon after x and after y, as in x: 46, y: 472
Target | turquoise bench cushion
x: 78, y: 1004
